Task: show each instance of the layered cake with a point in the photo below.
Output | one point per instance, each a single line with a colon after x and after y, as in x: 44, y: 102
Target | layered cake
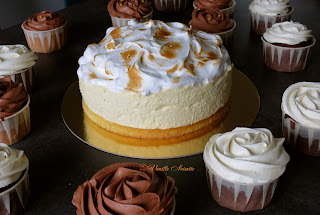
x: 155, y: 80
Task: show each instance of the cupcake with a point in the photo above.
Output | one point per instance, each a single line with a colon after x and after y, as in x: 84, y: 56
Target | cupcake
x: 286, y: 46
x: 126, y: 188
x: 171, y: 5
x: 300, y: 117
x: 264, y: 13
x: 122, y: 11
x: 225, y: 6
x: 17, y: 62
x: 14, y: 111
x: 215, y: 22
x: 243, y: 167
x: 14, y: 180
x: 45, y: 32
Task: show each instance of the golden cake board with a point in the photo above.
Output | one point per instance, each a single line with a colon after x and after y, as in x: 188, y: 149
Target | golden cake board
x: 245, y: 103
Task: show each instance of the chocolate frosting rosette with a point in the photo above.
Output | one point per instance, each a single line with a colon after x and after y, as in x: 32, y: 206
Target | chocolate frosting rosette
x: 126, y: 188
x: 121, y: 11
x: 44, y: 21
x: 219, y: 4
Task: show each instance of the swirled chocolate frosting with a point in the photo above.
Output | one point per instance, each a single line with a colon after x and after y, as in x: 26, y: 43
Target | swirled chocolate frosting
x: 13, y: 97
x: 219, y: 4
x: 210, y: 21
x: 125, y: 188
x: 129, y: 9
x: 44, y: 21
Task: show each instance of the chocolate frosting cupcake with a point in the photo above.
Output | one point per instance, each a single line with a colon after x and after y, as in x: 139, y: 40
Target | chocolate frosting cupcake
x: 44, y: 21
x: 126, y: 188
x: 129, y: 9
x: 210, y: 21
x: 219, y: 4
x: 13, y: 97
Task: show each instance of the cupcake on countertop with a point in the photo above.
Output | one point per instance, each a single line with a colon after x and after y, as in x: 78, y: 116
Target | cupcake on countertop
x: 215, y: 22
x: 264, y: 13
x: 243, y: 167
x: 14, y: 180
x: 122, y: 11
x: 287, y: 46
x: 17, y: 62
x: 45, y: 32
x: 126, y: 188
x: 300, y: 117
x: 14, y: 111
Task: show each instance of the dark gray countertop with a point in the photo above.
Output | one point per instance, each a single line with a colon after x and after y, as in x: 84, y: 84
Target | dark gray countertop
x: 59, y: 162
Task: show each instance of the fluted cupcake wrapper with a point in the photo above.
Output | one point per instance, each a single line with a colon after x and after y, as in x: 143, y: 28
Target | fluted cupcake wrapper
x: 302, y: 138
x: 25, y: 76
x: 16, y: 126
x: 170, y: 5
x: 286, y: 59
x: 227, y: 36
x: 46, y: 41
x: 227, y: 11
x: 260, y: 23
x: 238, y: 196
x: 14, y: 200
x: 118, y: 22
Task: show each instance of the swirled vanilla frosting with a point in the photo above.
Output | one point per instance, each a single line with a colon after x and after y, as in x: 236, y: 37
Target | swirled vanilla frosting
x: 270, y: 7
x: 14, y: 58
x: 13, y: 163
x: 301, y: 101
x: 290, y: 33
x: 246, y: 155
x: 148, y: 57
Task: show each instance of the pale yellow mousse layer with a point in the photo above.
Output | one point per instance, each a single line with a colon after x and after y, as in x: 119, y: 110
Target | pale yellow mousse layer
x: 169, y: 108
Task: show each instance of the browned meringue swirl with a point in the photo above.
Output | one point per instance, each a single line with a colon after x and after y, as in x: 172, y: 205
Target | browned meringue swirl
x: 219, y: 4
x: 13, y: 97
x: 125, y: 188
x: 44, y: 21
x: 210, y: 21
x: 129, y: 9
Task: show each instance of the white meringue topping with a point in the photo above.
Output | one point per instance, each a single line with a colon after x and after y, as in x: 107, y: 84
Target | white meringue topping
x: 147, y: 57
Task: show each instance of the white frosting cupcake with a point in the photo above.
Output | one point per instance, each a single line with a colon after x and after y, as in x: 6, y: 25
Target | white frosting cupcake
x: 13, y: 163
x: 290, y: 33
x: 14, y: 58
x: 270, y: 7
x: 245, y: 155
x: 301, y: 101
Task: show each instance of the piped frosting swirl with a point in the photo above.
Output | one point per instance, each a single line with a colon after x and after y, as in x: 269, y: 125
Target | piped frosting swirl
x: 15, y: 58
x: 246, y: 155
x: 219, y: 4
x: 44, y: 21
x: 270, y: 7
x: 13, y: 97
x: 147, y: 57
x: 210, y: 21
x: 13, y: 163
x: 301, y: 101
x: 126, y: 188
x: 290, y: 33
x: 129, y: 8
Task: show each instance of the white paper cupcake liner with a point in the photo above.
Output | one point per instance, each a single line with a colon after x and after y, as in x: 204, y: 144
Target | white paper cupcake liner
x: 260, y: 23
x: 46, y: 41
x: 118, y: 22
x: 25, y: 76
x: 227, y: 36
x: 170, y: 5
x: 227, y: 11
x: 14, y: 200
x: 302, y: 138
x: 286, y: 59
x: 16, y: 126
x: 238, y: 196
